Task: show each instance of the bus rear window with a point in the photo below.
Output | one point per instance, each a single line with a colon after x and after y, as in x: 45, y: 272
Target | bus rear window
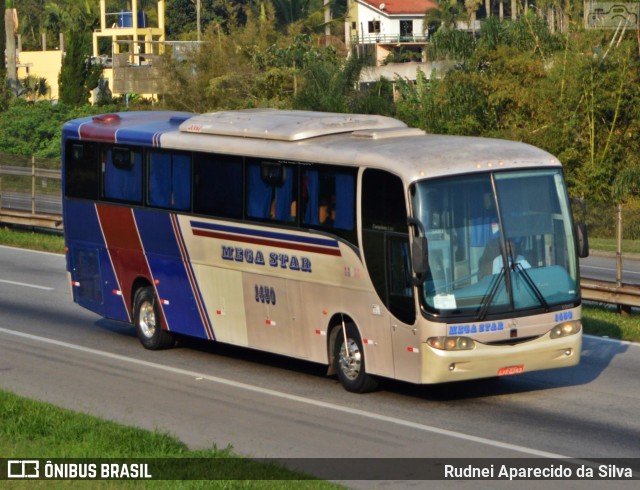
x: 82, y: 170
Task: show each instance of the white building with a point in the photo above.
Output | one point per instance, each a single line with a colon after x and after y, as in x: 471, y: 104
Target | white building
x: 390, y: 21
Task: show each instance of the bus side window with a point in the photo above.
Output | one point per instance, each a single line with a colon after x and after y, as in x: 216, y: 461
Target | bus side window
x: 82, y: 170
x: 271, y: 191
x: 122, y: 175
x: 170, y: 180
x: 217, y: 185
x: 329, y: 199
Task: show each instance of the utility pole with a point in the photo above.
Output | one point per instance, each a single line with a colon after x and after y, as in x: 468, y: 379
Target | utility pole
x: 198, y: 4
x: 11, y: 29
x: 327, y: 22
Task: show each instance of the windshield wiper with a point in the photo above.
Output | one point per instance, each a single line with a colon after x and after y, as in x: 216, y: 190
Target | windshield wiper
x: 488, y: 298
x: 532, y: 285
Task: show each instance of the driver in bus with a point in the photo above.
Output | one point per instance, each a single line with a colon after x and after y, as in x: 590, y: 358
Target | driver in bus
x: 511, y: 249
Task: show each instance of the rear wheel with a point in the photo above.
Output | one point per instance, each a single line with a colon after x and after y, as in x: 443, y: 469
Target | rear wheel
x: 350, y: 362
x: 147, y: 321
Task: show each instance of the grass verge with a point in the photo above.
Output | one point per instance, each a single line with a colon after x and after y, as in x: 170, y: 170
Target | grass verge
x: 611, y: 245
x: 35, y: 430
x: 604, y: 321
x: 44, y: 242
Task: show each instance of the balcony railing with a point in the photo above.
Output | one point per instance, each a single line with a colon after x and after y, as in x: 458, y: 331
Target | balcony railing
x: 388, y: 39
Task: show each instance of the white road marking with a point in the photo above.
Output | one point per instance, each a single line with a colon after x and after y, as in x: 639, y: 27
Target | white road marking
x: 286, y: 396
x: 26, y: 285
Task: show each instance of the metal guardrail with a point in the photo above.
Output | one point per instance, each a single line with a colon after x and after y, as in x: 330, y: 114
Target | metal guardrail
x: 610, y: 292
x: 30, y: 196
x: 45, y: 173
x: 35, y: 220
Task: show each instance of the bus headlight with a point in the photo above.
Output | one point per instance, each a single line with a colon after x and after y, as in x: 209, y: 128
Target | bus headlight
x: 451, y: 343
x: 565, y: 329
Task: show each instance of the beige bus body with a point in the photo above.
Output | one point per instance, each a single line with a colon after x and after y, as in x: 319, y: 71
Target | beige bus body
x: 311, y: 306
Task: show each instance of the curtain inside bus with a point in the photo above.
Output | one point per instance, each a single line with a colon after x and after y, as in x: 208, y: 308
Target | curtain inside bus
x: 170, y: 180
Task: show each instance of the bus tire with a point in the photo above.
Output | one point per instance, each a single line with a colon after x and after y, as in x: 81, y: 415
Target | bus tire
x: 351, y: 368
x: 146, y: 313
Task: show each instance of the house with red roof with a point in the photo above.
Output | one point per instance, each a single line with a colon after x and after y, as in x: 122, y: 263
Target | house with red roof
x: 392, y: 26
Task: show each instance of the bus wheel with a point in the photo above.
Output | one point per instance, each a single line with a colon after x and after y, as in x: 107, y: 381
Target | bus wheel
x: 350, y: 363
x: 147, y: 321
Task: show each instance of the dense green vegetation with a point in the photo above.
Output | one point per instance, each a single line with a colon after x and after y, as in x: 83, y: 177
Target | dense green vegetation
x: 572, y: 92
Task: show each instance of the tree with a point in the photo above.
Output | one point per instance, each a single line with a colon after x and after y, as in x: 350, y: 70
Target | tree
x: 181, y: 16
x: 446, y: 15
x: 53, y: 17
x: 78, y: 76
x: 329, y: 84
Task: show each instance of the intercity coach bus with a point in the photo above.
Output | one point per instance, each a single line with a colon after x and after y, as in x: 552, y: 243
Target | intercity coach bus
x: 343, y: 239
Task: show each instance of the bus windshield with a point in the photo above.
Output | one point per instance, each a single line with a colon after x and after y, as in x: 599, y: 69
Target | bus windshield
x: 497, y: 243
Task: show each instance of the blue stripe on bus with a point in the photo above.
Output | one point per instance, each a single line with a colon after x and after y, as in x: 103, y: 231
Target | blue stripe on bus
x: 133, y: 128
x: 146, y: 135
x: 84, y: 232
x: 169, y: 271
x: 266, y: 234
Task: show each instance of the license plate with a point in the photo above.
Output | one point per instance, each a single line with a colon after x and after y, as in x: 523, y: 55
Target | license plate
x: 511, y: 370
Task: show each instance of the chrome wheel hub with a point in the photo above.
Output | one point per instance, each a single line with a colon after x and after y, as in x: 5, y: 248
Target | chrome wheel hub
x: 147, y: 321
x: 350, y: 363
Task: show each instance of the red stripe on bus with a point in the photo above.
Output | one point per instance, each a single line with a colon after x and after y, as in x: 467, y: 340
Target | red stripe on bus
x: 90, y: 131
x: 124, y: 247
x: 271, y: 243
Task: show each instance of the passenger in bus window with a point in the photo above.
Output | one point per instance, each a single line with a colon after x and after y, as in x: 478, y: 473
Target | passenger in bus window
x: 326, y: 211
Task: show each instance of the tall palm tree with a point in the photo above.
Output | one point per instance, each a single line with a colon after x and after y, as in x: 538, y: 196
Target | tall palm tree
x: 445, y: 15
x: 289, y: 11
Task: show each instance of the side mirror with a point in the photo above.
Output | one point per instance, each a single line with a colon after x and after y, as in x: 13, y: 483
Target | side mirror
x: 419, y: 252
x: 582, y: 238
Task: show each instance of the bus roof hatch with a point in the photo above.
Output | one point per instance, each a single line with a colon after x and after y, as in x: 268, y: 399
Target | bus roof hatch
x: 282, y: 125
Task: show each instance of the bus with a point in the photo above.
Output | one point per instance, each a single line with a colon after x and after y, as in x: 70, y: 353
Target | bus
x: 344, y: 239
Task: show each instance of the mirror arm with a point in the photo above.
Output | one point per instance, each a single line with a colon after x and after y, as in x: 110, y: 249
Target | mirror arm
x: 419, y: 249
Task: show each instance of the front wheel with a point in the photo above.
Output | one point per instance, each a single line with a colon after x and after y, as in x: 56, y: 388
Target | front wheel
x: 350, y: 362
x: 147, y: 321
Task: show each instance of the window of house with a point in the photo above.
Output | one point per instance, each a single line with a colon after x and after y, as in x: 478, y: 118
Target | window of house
x: 374, y: 26
x: 406, y: 28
